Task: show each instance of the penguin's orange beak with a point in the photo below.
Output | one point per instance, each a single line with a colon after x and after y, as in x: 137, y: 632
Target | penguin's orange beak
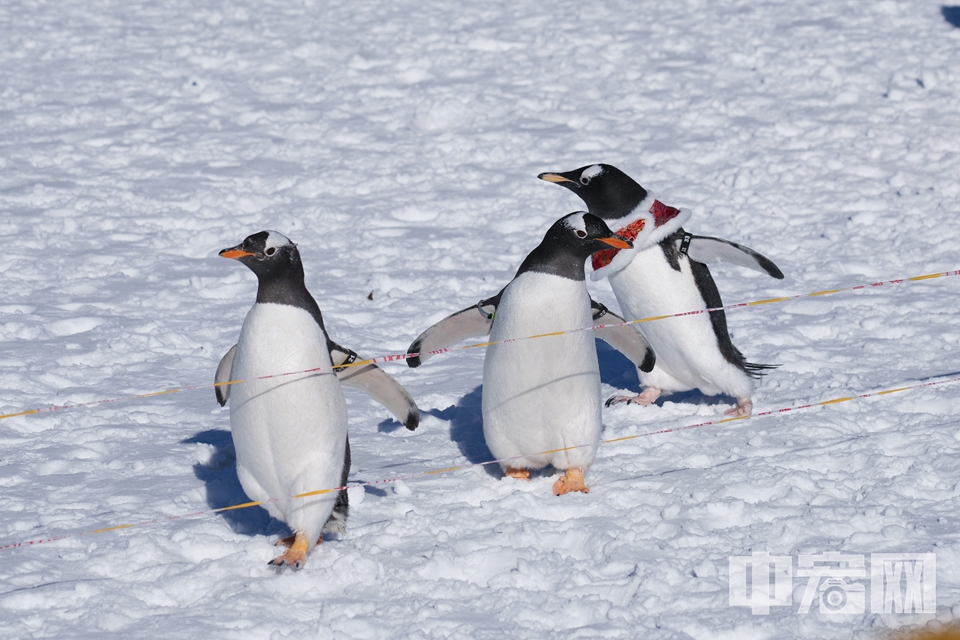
x: 554, y: 177
x: 235, y: 253
x: 617, y: 242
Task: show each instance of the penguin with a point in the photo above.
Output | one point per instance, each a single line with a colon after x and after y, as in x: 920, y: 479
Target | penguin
x: 541, y: 398
x: 289, y: 432
x: 666, y: 273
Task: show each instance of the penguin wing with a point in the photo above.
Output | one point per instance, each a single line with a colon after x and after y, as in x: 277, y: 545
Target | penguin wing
x: 624, y: 338
x: 377, y: 384
x: 708, y: 250
x: 471, y: 322
x: 224, y: 371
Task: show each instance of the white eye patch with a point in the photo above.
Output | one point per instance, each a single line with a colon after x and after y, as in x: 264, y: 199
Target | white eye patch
x: 275, y: 240
x: 575, y: 221
x: 591, y: 172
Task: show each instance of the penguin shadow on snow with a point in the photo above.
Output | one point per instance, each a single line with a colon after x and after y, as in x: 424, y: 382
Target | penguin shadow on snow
x: 621, y: 374
x: 466, y: 429
x: 615, y: 369
x: 219, y: 474
x: 951, y: 15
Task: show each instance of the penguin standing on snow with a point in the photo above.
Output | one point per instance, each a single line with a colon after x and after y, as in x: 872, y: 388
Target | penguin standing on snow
x: 541, y: 397
x: 664, y: 274
x: 290, y: 432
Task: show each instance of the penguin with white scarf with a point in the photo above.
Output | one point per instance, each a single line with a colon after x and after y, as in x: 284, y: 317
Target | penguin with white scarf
x: 666, y: 273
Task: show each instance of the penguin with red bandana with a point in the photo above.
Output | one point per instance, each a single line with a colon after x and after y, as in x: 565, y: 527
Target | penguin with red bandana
x: 664, y: 274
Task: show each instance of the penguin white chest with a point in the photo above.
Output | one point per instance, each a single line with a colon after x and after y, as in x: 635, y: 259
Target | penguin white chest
x: 687, y: 347
x: 649, y: 285
x: 290, y: 431
x: 542, y: 394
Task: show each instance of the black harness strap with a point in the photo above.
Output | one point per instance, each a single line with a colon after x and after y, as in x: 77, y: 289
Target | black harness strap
x: 488, y: 316
x: 351, y: 358
x: 599, y: 310
x: 685, y: 239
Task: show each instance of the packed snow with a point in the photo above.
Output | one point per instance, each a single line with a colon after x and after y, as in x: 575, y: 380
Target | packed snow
x: 398, y: 145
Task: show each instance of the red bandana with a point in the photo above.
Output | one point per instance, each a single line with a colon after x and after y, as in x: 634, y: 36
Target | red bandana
x: 661, y: 215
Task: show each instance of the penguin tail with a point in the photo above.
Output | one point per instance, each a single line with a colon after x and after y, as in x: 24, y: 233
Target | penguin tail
x: 752, y: 369
x: 757, y: 371
x: 337, y: 522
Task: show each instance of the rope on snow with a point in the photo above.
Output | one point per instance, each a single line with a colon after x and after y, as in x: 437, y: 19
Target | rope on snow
x: 403, y: 356
x: 433, y: 472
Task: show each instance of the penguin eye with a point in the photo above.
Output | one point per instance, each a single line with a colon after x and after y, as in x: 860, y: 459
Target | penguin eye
x: 584, y: 180
x: 270, y: 251
x: 581, y: 233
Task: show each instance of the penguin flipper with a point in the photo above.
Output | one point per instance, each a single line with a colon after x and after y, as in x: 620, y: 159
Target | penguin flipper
x: 224, y: 371
x: 624, y: 338
x: 471, y: 322
x: 707, y: 250
x: 377, y: 384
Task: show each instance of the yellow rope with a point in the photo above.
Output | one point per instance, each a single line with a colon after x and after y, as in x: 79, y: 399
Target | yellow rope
x: 404, y: 356
x: 431, y: 472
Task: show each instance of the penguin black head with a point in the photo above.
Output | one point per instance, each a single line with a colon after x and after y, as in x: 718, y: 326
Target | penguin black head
x: 584, y: 234
x: 274, y: 258
x: 608, y: 192
x: 569, y: 242
x: 268, y: 254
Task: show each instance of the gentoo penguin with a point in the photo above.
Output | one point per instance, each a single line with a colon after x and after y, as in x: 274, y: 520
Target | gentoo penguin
x: 541, y: 396
x: 289, y: 432
x: 664, y: 274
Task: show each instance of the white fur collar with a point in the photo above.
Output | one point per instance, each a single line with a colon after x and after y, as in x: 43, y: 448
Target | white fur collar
x: 646, y: 238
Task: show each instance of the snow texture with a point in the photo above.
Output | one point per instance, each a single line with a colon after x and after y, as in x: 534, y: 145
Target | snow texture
x: 398, y: 145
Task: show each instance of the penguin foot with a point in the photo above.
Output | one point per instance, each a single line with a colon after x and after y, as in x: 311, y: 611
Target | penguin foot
x: 519, y: 474
x: 743, y: 409
x: 646, y: 398
x: 295, y: 556
x: 572, y: 480
x: 288, y: 542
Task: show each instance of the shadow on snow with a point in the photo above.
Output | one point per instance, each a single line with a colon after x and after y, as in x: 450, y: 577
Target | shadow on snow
x: 466, y: 429
x: 951, y: 15
x: 224, y: 490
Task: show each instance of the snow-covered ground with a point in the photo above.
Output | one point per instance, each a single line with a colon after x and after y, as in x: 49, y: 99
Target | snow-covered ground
x: 398, y: 144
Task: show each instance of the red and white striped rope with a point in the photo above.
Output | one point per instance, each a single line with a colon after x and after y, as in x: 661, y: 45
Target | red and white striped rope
x: 433, y: 472
x: 396, y: 357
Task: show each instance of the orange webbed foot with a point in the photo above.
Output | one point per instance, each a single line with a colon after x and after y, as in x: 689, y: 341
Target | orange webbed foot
x: 572, y: 480
x: 288, y: 542
x: 519, y: 474
x: 295, y: 556
x: 743, y: 409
